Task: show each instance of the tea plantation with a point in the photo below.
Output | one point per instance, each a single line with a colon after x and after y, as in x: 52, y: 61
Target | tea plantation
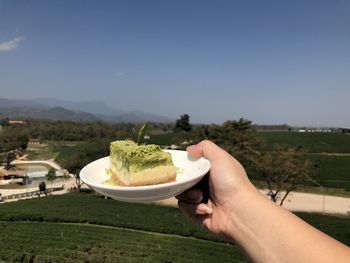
x: 85, y: 227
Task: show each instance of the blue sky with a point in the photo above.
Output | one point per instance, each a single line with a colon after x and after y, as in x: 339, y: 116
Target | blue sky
x: 267, y: 61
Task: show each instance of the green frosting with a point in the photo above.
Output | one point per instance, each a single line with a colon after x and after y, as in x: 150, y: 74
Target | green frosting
x: 136, y: 158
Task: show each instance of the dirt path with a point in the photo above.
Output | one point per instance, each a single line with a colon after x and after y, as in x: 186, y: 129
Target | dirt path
x: 302, y: 202
x: 332, y: 154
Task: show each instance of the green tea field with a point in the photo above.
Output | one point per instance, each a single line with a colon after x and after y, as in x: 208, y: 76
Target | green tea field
x: 314, y: 142
x: 85, y: 227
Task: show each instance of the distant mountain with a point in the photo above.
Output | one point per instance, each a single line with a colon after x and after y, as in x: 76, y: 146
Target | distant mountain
x: 94, y: 107
x: 56, y: 113
x: 48, y: 108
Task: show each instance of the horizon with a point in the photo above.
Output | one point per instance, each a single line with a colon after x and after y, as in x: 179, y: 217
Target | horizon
x: 268, y: 62
x: 177, y: 117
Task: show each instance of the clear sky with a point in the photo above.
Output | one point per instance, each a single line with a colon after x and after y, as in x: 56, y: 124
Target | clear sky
x: 267, y: 61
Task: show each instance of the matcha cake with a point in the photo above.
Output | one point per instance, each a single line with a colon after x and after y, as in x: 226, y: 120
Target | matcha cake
x: 136, y: 165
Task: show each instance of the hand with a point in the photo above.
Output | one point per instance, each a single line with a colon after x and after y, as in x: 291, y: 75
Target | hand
x: 228, y: 183
x: 237, y: 211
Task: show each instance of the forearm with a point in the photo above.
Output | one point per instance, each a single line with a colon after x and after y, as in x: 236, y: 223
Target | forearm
x: 269, y: 233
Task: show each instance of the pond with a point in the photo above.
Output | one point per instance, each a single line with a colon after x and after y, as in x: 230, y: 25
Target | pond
x: 31, y: 176
x: 37, y: 174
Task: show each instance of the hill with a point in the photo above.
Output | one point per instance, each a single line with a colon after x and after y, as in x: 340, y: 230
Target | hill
x: 54, y: 109
x: 56, y: 113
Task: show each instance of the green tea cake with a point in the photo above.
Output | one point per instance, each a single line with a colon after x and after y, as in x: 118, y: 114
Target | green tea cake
x: 136, y: 165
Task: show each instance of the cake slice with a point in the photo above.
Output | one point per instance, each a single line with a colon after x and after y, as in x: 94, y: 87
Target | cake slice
x: 136, y: 165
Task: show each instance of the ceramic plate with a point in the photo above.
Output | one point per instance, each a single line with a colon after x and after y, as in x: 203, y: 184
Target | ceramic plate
x: 190, y: 171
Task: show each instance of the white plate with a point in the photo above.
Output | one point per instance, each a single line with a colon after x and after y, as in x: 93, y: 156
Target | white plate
x: 191, y: 171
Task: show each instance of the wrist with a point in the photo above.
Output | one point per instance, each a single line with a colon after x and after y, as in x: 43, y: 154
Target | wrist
x: 244, y: 205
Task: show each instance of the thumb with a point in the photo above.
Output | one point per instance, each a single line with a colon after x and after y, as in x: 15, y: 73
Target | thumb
x: 208, y: 150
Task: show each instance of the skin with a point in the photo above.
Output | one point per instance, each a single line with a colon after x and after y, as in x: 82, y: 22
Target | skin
x: 237, y: 211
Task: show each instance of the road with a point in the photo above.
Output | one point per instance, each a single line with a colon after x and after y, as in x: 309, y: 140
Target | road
x: 302, y: 202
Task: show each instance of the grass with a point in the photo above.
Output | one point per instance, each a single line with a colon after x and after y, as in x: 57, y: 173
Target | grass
x: 48, y: 150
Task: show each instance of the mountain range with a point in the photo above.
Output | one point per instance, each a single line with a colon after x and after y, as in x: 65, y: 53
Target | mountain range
x: 54, y: 109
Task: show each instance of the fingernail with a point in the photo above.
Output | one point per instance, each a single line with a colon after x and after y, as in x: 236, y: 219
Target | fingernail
x: 208, y: 210
x: 190, y: 147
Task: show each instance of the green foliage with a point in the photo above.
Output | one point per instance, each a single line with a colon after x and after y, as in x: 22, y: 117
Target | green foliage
x: 85, y: 243
x: 7, y: 158
x: 51, y: 175
x: 332, y: 170
x: 76, y: 157
x: 4, y: 122
x: 42, y: 187
x: 183, y: 123
x: 12, y: 139
x: 328, y: 151
x: 48, y: 150
x: 69, y: 130
x: 236, y: 137
x: 312, y: 142
x: 283, y: 169
x: 166, y: 138
x: 97, y: 210
x: 140, y: 135
x: 82, y: 227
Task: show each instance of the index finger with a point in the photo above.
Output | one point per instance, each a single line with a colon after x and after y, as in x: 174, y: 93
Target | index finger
x: 208, y: 150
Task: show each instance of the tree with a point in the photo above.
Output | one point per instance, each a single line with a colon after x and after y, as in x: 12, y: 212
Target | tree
x: 183, y: 124
x: 9, y: 157
x: 4, y: 122
x: 236, y: 137
x: 42, y: 188
x: 81, y: 155
x: 51, y: 176
x: 283, y: 169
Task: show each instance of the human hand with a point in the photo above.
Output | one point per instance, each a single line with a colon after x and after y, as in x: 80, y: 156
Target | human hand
x: 228, y: 184
x: 237, y: 211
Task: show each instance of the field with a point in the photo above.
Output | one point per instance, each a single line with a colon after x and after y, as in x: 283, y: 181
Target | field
x: 330, y: 152
x: 84, y: 227
x: 313, y: 142
x: 332, y: 171
x: 71, y: 242
x: 48, y: 150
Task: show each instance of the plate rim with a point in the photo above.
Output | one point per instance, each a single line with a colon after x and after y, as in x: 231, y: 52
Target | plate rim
x: 143, y: 187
